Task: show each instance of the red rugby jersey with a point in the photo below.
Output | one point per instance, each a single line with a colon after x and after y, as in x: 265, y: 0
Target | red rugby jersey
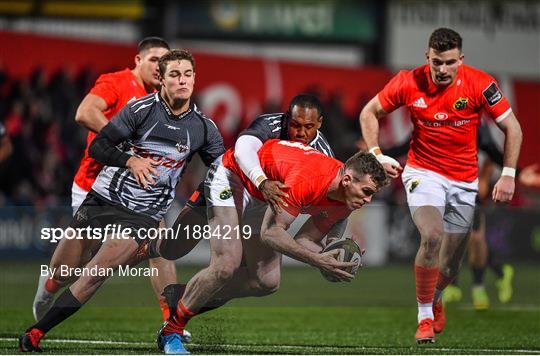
x: 445, y: 119
x: 306, y: 171
x: 117, y: 89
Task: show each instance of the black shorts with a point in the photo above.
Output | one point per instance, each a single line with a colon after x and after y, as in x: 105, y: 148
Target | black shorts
x: 97, y: 212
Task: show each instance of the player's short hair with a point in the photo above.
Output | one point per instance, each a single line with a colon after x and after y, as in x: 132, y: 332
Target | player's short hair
x: 152, y: 42
x: 174, y: 55
x: 363, y: 163
x: 306, y: 101
x: 445, y: 39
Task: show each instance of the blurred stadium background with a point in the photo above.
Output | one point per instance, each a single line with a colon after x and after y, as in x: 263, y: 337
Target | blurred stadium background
x: 252, y: 58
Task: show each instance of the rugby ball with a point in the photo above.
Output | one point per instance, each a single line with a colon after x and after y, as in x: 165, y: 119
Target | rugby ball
x: 349, y: 251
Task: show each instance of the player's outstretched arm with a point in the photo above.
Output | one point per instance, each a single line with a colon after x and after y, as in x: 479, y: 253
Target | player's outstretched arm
x: 90, y: 113
x: 369, y: 122
x: 245, y: 153
x: 274, y: 234
x: 505, y: 186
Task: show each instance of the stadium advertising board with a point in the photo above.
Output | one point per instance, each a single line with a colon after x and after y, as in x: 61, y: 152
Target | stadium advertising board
x: 488, y: 28
x: 318, y: 20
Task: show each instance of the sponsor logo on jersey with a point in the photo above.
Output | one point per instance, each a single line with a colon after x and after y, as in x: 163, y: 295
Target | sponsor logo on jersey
x: 225, y: 194
x: 440, y: 116
x: 461, y: 103
x: 445, y: 123
x: 420, y: 103
x: 492, y: 94
x: 167, y: 162
x: 171, y: 127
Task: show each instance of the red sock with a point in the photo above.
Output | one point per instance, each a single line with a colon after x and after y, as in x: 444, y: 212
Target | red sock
x: 52, y: 286
x: 165, y: 312
x: 178, y: 323
x: 426, y: 279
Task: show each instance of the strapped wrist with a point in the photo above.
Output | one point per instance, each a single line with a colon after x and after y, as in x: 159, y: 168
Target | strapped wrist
x: 375, y: 151
x: 260, y: 182
x: 508, y: 171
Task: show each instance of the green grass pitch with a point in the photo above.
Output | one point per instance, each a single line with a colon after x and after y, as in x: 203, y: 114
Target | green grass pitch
x: 376, y: 314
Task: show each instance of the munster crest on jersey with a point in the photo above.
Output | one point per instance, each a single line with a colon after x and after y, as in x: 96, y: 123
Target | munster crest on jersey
x: 225, y: 194
x: 461, y: 103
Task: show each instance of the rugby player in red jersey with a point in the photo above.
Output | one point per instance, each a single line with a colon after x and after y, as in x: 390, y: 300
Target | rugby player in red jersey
x: 111, y: 92
x: 318, y: 185
x: 445, y: 99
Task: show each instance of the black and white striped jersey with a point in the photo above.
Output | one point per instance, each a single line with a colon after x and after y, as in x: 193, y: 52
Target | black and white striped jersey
x: 151, y: 130
x: 276, y: 126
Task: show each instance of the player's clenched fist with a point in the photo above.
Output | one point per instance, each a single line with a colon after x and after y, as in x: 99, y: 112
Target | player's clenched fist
x: 143, y: 169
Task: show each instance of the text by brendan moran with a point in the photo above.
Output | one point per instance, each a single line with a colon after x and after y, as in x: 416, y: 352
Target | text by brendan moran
x: 123, y: 271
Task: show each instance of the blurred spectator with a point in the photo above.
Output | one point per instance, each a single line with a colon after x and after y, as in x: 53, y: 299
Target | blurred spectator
x: 37, y: 113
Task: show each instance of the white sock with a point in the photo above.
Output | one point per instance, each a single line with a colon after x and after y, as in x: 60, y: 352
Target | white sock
x: 425, y: 311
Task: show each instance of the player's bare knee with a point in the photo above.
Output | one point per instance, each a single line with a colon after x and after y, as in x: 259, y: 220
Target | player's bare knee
x: 432, y: 232
x: 224, y: 270
x: 268, y: 285
x: 431, y: 244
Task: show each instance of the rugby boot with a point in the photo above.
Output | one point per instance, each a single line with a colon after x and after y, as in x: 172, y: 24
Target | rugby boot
x: 29, y: 341
x: 424, y: 332
x: 439, y: 317
x: 504, y: 284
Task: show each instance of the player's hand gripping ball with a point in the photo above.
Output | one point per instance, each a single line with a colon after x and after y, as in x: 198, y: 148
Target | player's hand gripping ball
x: 349, y: 251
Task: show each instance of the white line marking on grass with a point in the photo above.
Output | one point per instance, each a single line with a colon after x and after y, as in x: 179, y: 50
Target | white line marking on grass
x: 248, y: 347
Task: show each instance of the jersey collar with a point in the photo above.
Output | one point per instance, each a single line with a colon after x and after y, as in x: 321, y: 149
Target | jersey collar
x: 314, y: 141
x: 169, y: 111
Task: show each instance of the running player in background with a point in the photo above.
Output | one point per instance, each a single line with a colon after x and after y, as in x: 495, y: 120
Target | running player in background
x: 135, y: 188
x: 480, y: 254
x: 445, y: 99
x: 109, y: 95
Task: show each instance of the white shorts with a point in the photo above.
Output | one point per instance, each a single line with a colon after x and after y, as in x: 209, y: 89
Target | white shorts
x: 77, y: 197
x: 223, y: 187
x: 454, y: 199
